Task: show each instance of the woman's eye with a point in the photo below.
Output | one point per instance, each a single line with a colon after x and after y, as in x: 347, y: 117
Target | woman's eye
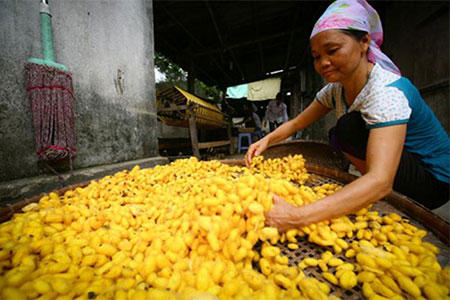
x: 332, y: 51
x: 316, y: 57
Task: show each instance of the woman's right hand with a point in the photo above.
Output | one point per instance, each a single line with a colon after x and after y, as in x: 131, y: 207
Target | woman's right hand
x: 256, y: 149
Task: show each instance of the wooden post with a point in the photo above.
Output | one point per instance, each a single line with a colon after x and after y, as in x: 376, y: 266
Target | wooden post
x: 229, y: 123
x: 191, y: 77
x: 295, y: 96
x: 229, y: 136
x: 193, y: 132
x: 224, y: 95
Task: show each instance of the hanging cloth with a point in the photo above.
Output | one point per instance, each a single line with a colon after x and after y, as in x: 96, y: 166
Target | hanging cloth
x: 238, y: 91
x: 264, y: 89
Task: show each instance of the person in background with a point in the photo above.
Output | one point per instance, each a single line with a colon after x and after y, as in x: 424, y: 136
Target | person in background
x: 276, y: 112
x: 251, y: 118
x: 384, y: 126
x: 256, y: 118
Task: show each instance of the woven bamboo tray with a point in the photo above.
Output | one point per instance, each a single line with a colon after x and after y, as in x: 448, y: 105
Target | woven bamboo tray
x: 327, y: 165
x: 439, y: 230
x: 316, y: 153
x: 307, y: 249
x: 421, y: 217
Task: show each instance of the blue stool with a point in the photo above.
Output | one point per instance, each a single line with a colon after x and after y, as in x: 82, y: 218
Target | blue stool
x: 241, y: 135
x: 258, y: 133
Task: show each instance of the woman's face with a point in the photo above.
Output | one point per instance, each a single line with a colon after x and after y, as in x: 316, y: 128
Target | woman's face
x: 337, y: 55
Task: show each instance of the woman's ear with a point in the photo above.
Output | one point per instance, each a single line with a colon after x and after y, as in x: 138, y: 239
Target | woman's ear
x: 365, y: 43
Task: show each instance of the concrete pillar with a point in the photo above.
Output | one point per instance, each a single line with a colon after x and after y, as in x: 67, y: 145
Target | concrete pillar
x: 109, y: 49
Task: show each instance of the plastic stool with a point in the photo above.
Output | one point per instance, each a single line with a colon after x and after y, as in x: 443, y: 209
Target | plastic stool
x: 241, y: 135
x: 258, y: 133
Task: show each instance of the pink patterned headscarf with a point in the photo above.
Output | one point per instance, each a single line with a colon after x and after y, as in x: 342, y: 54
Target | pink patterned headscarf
x: 357, y: 15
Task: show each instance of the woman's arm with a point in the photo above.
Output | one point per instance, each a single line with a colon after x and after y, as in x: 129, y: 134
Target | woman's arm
x: 384, y: 151
x: 311, y: 114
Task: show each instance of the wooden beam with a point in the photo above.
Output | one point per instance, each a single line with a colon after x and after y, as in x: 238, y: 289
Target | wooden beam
x: 224, y: 94
x: 213, y: 144
x: 432, y: 17
x: 246, y: 43
x: 174, y: 49
x: 160, y: 27
x: 229, y: 137
x: 213, y: 19
x: 315, y: 16
x: 193, y: 133
x: 165, y: 144
x: 222, y: 70
x: 291, y: 39
x: 261, y: 57
x: 435, y: 86
x: 255, y: 17
x: 192, y: 37
x: 176, y: 21
x: 238, y: 65
x: 302, y: 56
x: 219, y: 36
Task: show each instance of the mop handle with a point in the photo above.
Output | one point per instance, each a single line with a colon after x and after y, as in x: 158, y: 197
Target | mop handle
x: 46, y: 31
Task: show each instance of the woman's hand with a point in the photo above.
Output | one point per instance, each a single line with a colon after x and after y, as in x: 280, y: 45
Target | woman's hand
x: 282, y: 215
x: 255, y: 150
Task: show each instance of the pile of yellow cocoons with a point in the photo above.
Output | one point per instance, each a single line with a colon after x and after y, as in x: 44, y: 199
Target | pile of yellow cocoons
x: 196, y: 230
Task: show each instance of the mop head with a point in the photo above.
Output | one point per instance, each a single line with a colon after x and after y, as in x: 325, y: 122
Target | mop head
x: 51, y: 98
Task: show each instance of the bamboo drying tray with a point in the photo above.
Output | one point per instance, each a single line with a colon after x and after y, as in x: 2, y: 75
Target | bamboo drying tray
x: 421, y: 217
x: 173, y: 110
x: 179, y: 108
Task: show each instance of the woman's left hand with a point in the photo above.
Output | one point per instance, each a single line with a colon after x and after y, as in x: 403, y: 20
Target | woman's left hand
x: 282, y: 215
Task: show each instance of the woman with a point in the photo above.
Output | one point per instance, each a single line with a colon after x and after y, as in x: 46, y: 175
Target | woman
x: 384, y: 127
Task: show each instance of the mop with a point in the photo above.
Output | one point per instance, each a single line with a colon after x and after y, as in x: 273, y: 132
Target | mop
x: 50, y: 93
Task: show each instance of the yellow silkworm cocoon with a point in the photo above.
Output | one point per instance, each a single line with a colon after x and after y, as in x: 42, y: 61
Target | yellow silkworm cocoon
x: 330, y: 277
x: 408, y: 286
x: 334, y: 262
x: 312, y: 262
x: 348, y: 280
x: 366, y: 260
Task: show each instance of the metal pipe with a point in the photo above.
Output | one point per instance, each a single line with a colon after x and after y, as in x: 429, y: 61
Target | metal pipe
x: 46, y: 31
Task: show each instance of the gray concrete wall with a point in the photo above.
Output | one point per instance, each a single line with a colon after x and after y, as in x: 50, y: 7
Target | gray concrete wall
x: 417, y: 39
x: 165, y: 131
x: 108, y: 46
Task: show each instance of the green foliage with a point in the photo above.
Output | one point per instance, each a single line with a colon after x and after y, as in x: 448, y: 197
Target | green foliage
x: 175, y: 75
x: 208, y: 92
x: 172, y: 71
